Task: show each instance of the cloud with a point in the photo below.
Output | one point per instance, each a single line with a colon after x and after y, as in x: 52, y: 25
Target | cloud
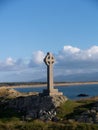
x: 93, y: 52
x: 12, y: 65
x: 69, y: 61
x: 23, y: 69
x: 73, y: 60
x: 9, y: 61
x: 37, y: 58
x: 70, y: 53
x: 70, y: 49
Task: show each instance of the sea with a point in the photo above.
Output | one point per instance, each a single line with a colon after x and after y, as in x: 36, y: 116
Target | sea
x: 71, y: 92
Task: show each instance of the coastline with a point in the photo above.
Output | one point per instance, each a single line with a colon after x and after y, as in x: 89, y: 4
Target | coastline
x: 64, y: 84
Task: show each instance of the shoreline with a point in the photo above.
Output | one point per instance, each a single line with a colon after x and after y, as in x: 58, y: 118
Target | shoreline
x: 65, y: 84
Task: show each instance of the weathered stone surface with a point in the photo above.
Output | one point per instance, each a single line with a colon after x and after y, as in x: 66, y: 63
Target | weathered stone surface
x: 35, y: 106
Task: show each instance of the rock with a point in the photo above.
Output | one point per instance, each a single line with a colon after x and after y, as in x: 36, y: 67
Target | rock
x: 96, y: 118
x: 82, y: 95
x: 8, y: 93
x: 57, y: 100
x: 46, y: 115
x: 89, y: 116
x: 35, y: 106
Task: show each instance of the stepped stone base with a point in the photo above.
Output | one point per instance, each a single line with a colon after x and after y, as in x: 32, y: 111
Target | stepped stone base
x: 52, y: 92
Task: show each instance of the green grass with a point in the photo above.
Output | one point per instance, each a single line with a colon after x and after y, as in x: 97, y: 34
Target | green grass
x: 67, y: 108
x: 70, y: 109
x: 39, y: 125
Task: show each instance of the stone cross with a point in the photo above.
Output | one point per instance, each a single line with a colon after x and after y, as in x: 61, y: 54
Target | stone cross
x: 49, y: 60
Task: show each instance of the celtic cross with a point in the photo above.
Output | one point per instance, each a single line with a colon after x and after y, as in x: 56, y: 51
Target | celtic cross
x: 49, y: 60
x: 50, y: 91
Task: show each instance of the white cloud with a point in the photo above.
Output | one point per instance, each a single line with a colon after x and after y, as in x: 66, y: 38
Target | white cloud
x: 93, y: 52
x: 38, y: 57
x: 9, y: 61
x: 12, y: 65
x: 70, y: 49
x: 73, y: 53
x: 75, y: 60
x: 70, y: 60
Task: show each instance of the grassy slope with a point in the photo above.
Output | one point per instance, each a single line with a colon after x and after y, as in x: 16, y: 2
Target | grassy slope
x: 39, y: 125
x: 73, y: 108
x: 9, y: 120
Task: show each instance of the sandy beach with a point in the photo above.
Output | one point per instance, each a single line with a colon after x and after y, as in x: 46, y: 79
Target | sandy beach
x: 65, y: 84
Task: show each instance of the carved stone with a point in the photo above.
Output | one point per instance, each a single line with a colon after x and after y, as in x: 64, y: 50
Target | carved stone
x: 49, y: 60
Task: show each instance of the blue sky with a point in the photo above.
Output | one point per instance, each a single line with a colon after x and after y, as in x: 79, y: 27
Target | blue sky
x: 31, y: 28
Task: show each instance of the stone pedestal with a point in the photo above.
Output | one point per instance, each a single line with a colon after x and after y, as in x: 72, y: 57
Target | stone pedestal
x: 52, y: 92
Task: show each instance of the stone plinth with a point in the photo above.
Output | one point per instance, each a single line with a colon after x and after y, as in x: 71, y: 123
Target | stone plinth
x: 53, y: 92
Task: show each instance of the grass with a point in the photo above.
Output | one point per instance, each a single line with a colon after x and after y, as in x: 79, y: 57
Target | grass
x: 39, y: 125
x: 11, y: 120
x: 71, y: 109
x: 67, y: 108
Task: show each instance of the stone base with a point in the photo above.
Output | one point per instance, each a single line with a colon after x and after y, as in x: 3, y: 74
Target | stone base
x: 51, y: 92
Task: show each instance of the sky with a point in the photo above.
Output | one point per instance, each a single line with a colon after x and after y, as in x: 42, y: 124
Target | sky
x: 31, y: 28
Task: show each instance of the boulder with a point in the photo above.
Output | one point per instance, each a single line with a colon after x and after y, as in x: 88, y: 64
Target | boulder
x: 82, y: 95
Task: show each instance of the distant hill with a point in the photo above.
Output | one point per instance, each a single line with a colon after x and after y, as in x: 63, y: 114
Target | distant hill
x: 74, y: 78
x: 77, y: 77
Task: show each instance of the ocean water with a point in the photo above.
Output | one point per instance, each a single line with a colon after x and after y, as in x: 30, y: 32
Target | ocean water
x: 70, y: 91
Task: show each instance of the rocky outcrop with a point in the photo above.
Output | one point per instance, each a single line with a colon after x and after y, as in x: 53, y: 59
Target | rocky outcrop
x: 82, y: 95
x: 34, y: 106
x: 42, y: 107
x: 90, y: 115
